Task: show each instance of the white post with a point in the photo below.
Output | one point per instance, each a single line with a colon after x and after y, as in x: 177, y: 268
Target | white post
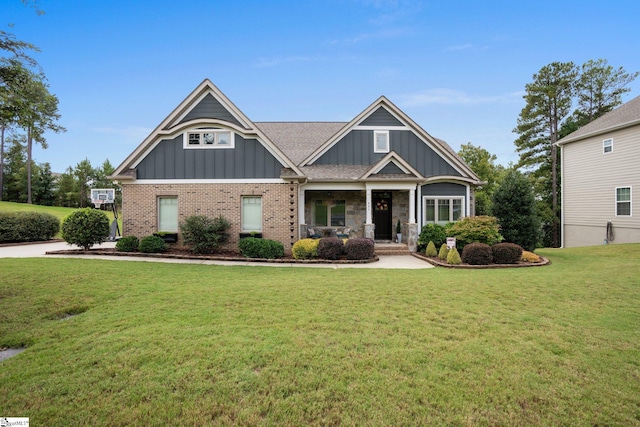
x: 412, y: 206
x: 301, y: 201
x: 369, y: 210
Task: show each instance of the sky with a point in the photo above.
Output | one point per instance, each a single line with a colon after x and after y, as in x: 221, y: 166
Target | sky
x: 457, y: 68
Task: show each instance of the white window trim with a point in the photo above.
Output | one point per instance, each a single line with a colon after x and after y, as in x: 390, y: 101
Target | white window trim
x: 463, y: 208
x: 607, y: 143
x: 202, y: 145
x: 242, y: 214
x: 375, y: 140
x: 618, y: 201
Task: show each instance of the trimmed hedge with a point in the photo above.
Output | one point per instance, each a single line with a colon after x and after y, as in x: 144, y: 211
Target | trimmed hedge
x: 27, y: 226
x: 128, y: 244
x: 472, y: 229
x: 330, y: 248
x: 85, y: 228
x: 152, y: 245
x: 530, y: 257
x: 506, y: 253
x: 431, y: 250
x: 360, y: 249
x: 453, y: 257
x: 305, y: 249
x: 443, y: 252
x: 252, y: 247
x: 477, y: 254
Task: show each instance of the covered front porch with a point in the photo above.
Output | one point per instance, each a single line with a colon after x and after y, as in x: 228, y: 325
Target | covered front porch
x: 368, y: 209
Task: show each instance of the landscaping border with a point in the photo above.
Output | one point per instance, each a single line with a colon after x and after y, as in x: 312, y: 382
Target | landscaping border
x: 438, y: 263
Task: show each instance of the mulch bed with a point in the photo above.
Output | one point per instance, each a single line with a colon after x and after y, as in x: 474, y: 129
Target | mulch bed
x: 439, y: 263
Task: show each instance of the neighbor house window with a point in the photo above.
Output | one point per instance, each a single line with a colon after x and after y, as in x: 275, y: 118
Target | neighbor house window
x: 381, y: 141
x: 329, y: 213
x: 441, y: 210
x: 251, y: 213
x: 607, y: 145
x: 168, y: 214
x: 209, y: 138
x: 623, y: 201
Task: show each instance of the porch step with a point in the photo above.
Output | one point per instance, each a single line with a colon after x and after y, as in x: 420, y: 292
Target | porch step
x: 391, y: 249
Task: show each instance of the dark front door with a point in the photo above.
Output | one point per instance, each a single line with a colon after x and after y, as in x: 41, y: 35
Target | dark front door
x: 382, y: 215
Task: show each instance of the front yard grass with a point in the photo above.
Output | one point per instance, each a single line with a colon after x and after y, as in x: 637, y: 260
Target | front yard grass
x: 209, y: 345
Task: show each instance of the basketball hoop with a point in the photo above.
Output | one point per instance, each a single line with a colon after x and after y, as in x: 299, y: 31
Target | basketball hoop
x: 97, y: 203
x: 101, y: 196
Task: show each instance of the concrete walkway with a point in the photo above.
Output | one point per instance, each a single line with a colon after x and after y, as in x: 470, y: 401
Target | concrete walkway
x: 39, y: 249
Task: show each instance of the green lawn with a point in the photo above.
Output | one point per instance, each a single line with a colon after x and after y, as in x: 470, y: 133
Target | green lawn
x: 160, y: 344
x: 57, y: 211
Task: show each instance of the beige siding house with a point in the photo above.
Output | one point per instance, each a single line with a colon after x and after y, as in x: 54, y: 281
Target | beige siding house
x: 601, y: 180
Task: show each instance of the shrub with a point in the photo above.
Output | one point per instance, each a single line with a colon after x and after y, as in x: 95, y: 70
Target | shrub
x: 506, y: 253
x: 444, y: 251
x: 305, y: 249
x: 330, y: 248
x: 128, y: 244
x: 85, y: 228
x: 477, y: 254
x: 431, y: 249
x: 481, y: 229
x: 530, y: 257
x: 152, y: 245
x: 435, y: 233
x: 514, y: 205
x: 453, y: 257
x: 204, y: 234
x: 27, y: 226
x: 360, y: 248
x: 252, y: 247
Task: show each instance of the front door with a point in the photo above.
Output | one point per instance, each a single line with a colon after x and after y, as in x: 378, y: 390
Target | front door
x: 382, y: 215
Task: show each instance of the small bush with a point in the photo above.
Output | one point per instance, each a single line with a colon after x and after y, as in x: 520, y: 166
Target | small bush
x: 481, y: 229
x: 128, y: 244
x: 27, y: 226
x: 444, y: 251
x: 453, y: 257
x: 85, y: 228
x: 435, y: 233
x: 204, y: 234
x: 477, y: 254
x: 530, y: 257
x: 506, y: 253
x: 431, y: 249
x: 152, y: 245
x: 305, y: 249
x: 252, y: 247
x: 359, y: 249
x: 330, y: 248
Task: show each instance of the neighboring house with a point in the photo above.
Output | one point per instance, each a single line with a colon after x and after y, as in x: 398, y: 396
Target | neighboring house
x: 282, y: 178
x: 600, y: 172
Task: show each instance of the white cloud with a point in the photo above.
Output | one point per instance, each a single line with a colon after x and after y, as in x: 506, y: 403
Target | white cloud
x: 455, y: 97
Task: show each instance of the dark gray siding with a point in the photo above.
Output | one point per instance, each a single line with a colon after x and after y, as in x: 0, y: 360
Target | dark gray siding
x: 249, y: 159
x: 210, y: 108
x: 444, y: 189
x: 391, y: 168
x: 356, y: 148
x: 381, y: 117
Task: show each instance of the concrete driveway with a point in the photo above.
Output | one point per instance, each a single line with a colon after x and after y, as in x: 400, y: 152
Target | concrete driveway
x: 39, y: 249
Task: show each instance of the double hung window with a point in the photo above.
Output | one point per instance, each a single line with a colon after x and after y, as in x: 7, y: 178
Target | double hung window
x: 251, y: 213
x: 168, y: 214
x: 623, y: 201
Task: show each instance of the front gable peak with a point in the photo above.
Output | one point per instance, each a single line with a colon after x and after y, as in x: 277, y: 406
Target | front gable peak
x: 392, y: 165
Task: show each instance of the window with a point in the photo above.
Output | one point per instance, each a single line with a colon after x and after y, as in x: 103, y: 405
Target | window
x: 381, y: 141
x: 623, y: 201
x: 442, y: 210
x: 209, y: 138
x: 607, y: 145
x: 329, y: 213
x: 252, y: 213
x: 168, y: 214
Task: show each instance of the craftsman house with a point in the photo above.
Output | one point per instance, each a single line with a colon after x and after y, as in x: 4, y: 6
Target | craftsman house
x: 600, y: 165
x: 291, y: 180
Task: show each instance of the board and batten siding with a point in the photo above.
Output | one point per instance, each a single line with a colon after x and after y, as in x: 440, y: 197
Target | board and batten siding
x: 356, y: 148
x: 249, y: 159
x: 590, y: 178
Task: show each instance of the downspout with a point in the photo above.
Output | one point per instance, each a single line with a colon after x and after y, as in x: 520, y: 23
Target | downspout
x: 562, y: 196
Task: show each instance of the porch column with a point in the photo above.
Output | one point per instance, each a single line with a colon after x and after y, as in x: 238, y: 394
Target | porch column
x: 302, y: 224
x: 369, y: 227
x: 412, y: 206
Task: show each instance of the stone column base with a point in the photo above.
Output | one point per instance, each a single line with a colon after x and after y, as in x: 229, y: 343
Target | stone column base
x: 412, y: 236
x: 369, y: 231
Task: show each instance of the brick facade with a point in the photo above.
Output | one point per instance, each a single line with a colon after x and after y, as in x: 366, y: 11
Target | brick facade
x: 279, y: 207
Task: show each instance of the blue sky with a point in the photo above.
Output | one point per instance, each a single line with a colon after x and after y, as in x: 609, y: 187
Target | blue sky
x: 458, y: 68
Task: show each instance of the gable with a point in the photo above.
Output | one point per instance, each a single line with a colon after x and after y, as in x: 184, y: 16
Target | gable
x: 381, y: 117
x: 210, y: 108
x: 391, y: 169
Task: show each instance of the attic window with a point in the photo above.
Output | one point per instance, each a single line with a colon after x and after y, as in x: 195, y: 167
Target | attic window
x: 209, y: 138
x: 607, y: 145
x: 381, y: 141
